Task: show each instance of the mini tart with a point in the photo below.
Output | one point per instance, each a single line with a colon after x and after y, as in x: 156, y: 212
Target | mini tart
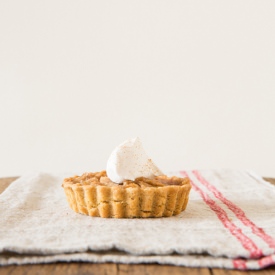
x: 96, y: 195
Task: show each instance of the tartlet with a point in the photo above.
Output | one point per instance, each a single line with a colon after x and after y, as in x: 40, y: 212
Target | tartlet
x: 94, y: 194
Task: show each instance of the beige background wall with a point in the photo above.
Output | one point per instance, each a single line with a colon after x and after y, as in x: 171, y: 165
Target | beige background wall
x: 195, y: 80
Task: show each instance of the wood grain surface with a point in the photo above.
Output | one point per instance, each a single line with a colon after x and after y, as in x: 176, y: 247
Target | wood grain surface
x: 116, y: 269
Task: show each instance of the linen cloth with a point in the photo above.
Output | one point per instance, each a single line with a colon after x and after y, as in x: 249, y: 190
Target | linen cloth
x: 229, y: 222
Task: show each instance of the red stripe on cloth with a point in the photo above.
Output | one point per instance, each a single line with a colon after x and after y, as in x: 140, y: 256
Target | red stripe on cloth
x: 240, y: 264
x: 246, y: 242
x: 266, y: 261
x: 262, y: 263
x: 240, y: 214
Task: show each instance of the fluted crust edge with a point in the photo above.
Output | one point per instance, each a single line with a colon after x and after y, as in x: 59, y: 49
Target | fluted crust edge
x: 130, y: 202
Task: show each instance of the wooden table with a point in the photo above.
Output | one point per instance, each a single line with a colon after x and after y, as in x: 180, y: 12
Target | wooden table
x: 116, y: 269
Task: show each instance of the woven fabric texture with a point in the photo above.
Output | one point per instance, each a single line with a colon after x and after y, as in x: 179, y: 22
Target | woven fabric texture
x: 229, y: 222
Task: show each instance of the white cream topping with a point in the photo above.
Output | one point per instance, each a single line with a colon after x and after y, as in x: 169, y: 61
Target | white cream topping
x: 129, y: 161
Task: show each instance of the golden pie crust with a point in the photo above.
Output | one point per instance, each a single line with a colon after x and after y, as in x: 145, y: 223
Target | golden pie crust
x: 96, y: 195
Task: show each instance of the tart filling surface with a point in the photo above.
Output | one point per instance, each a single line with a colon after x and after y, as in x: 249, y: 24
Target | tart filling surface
x: 96, y: 195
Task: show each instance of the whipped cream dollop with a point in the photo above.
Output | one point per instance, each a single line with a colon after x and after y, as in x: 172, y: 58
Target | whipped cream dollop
x: 129, y: 161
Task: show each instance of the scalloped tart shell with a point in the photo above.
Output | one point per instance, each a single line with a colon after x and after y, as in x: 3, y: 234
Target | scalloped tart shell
x: 94, y: 194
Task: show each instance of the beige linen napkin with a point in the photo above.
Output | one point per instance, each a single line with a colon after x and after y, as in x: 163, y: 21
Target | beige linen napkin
x: 229, y: 223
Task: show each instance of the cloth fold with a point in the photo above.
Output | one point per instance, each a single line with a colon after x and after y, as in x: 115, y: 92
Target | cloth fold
x: 229, y: 223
